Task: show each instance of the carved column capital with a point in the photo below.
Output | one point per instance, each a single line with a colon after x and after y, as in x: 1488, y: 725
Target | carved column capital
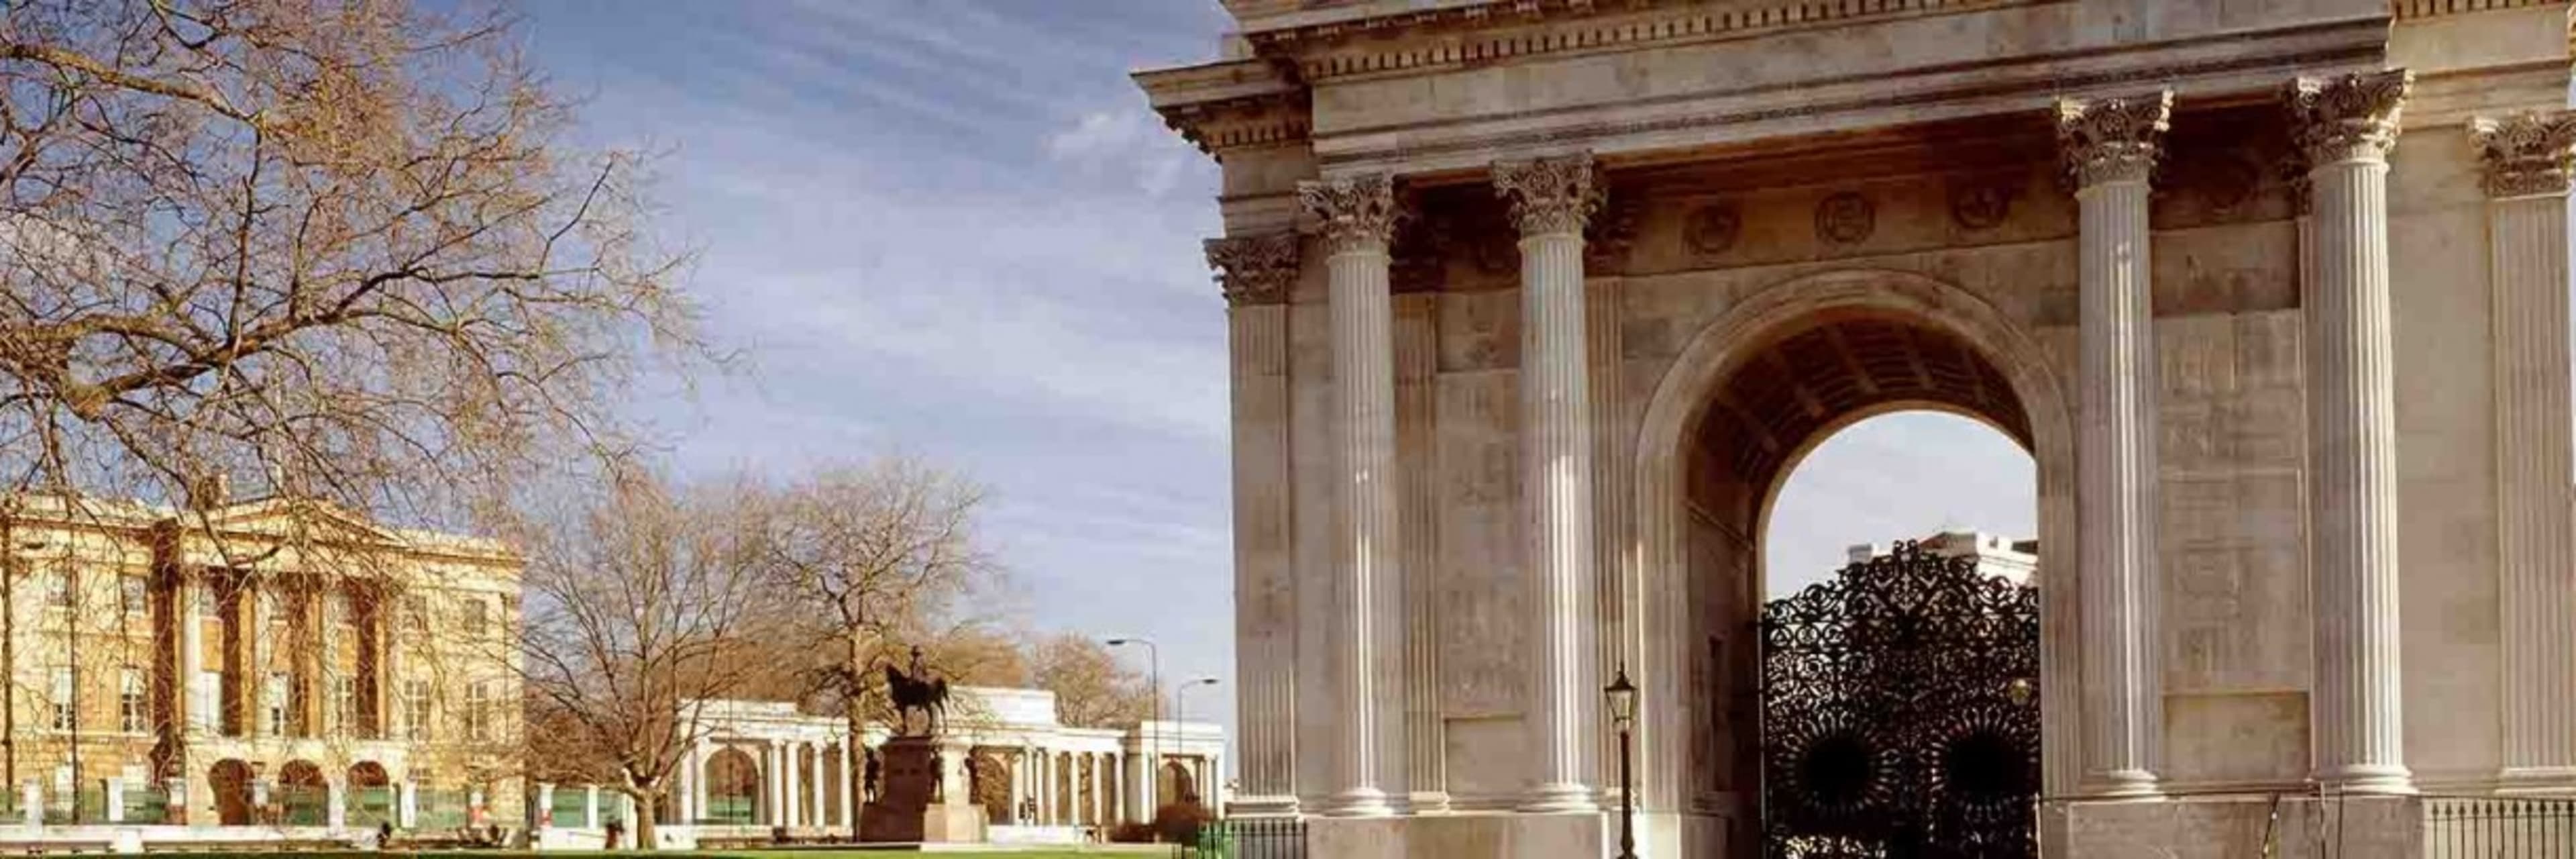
x: 1352, y: 211
x: 1550, y: 195
x: 2348, y: 117
x: 2527, y: 155
x: 2112, y: 139
x: 1256, y: 269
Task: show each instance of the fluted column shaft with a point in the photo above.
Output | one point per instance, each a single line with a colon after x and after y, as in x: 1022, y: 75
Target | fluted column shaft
x: 1551, y: 198
x: 1358, y: 213
x: 2110, y: 147
x: 1257, y: 273
x: 2347, y: 126
x: 2526, y: 163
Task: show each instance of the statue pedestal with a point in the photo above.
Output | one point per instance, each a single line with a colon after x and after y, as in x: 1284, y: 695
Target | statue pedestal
x: 922, y: 798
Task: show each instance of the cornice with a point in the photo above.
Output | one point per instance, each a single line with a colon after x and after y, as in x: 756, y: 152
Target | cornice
x: 1228, y: 105
x: 1485, y: 32
x: 2407, y: 10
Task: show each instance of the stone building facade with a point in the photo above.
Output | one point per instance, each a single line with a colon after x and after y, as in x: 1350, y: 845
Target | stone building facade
x: 256, y: 663
x: 1533, y: 305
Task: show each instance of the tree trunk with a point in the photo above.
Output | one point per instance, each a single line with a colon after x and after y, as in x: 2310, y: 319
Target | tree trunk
x: 643, y: 822
x: 857, y: 763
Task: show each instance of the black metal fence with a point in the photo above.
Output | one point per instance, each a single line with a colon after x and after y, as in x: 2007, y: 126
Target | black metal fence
x: 1247, y: 838
x: 2488, y: 827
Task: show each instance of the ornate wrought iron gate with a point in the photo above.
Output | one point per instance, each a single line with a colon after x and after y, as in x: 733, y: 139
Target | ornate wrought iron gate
x: 1900, y: 713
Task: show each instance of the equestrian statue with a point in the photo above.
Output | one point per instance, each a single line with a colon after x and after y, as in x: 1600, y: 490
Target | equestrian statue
x: 916, y: 690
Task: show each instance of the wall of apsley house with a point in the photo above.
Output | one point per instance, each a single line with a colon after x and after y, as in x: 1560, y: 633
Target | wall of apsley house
x: 391, y: 657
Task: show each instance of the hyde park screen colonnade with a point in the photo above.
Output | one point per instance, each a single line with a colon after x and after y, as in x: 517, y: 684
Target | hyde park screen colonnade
x: 1534, y: 303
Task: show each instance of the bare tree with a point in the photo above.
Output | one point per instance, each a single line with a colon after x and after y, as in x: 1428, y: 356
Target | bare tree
x: 1092, y: 688
x: 642, y: 607
x: 872, y: 557
x: 342, y: 250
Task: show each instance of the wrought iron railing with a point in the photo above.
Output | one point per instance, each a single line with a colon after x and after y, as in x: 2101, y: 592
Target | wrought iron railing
x: 1246, y: 838
x: 2496, y: 827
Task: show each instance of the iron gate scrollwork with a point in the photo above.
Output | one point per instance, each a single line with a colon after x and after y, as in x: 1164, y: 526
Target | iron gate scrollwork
x: 1900, y: 713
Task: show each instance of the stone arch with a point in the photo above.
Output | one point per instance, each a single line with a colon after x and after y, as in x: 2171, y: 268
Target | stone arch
x: 734, y: 787
x: 1661, y: 637
x: 230, y: 779
x: 1178, y: 785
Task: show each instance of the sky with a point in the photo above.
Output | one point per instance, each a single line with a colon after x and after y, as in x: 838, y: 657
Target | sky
x: 952, y: 229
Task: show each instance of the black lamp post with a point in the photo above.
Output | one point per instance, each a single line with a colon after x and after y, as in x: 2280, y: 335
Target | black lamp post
x: 1623, y: 712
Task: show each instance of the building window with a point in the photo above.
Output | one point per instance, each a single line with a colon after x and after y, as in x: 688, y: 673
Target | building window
x: 344, y: 702
x: 208, y: 607
x: 58, y: 590
x: 478, y: 616
x: 201, y: 700
x: 136, y: 593
x: 274, y: 696
x: 65, y: 717
x: 415, y: 610
x: 416, y: 708
x: 131, y: 716
x: 478, y: 712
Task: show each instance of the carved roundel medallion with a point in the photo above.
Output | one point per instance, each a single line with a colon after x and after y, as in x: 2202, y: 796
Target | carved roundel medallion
x: 1712, y: 229
x: 1845, y: 218
x: 1980, y: 205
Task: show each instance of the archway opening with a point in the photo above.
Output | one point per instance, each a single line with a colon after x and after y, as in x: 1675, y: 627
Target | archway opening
x: 1827, y: 429
x: 733, y: 789
x: 231, y: 781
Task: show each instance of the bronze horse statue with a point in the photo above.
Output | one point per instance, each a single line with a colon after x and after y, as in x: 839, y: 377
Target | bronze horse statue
x: 916, y: 691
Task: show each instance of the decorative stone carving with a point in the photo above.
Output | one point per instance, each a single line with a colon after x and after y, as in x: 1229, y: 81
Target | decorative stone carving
x: 1351, y: 211
x: 2112, y: 139
x: 2352, y: 116
x: 1550, y: 195
x: 1981, y: 205
x: 2527, y: 155
x: 1846, y: 218
x: 1254, y: 269
x: 1611, y: 232
x: 1711, y: 229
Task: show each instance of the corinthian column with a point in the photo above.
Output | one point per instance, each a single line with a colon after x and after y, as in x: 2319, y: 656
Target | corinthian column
x: 2346, y: 126
x: 1357, y: 214
x: 2110, y: 148
x: 2526, y: 161
x: 1551, y: 198
x: 1256, y: 273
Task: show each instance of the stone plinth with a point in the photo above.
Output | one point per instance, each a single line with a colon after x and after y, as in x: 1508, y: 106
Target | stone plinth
x: 920, y: 799
x: 1512, y: 836
x: 2295, y: 827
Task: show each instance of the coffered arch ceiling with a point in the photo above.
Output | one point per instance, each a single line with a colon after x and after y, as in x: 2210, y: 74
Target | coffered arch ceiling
x: 1822, y: 372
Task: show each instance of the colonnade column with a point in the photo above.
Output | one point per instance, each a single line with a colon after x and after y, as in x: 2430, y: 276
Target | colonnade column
x: 2110, y: 148
x: 1551, y: 199
x: 1256, y: 273
x: 2526, y: 164
x: 2346, y: 126
x: 1357, y: 215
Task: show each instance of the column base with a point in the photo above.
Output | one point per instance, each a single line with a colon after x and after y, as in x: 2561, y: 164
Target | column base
x: 1429, y: 802
x: 1258, y: 805
x: 2373, y: 779
x: 1560, y: 798
x: 1360, y: 802
x: 2540, y: 781
x: 2129, y: 785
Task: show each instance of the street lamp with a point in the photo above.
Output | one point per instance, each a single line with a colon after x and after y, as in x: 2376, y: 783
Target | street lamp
x: 1181, y: 710
x: 1623, y: 712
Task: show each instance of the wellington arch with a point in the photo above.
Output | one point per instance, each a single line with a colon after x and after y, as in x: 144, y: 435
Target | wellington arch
x: 1533, y: 304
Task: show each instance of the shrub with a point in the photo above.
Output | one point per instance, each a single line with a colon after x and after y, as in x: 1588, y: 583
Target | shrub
x: 1179, y: 822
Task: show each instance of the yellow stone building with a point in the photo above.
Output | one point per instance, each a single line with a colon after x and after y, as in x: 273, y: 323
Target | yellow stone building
x: 256, y: 663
